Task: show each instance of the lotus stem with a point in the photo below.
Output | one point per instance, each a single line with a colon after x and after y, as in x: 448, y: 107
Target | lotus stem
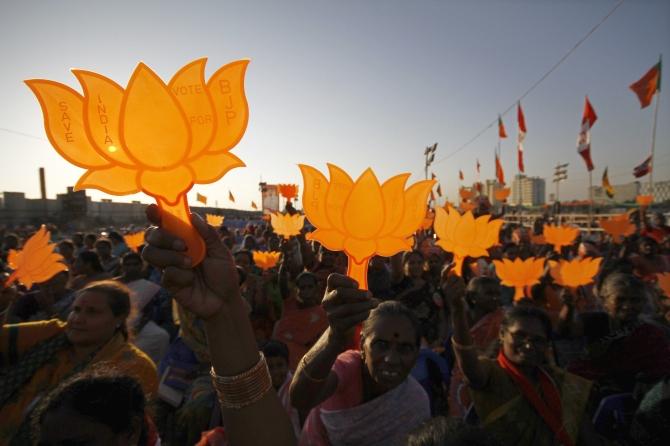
x: 359, y: 272
x: 458, y: 265
x: 12, y: 277
x: 518, y: 293
x: 176, y: 219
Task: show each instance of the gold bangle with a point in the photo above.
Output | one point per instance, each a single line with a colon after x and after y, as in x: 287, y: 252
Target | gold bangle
x: 461, y: 346
x: 303, y: 370
x: 238, y: 391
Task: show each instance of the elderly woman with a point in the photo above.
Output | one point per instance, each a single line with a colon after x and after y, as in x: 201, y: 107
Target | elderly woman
x: 36, y: 356
x: 631, y: 346
x: 519, y: 397
x: 361, y: 396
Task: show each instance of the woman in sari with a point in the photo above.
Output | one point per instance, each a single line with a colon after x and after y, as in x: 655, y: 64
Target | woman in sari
x: 354, y: 394
x: 36, y: 356
x: 519, y: 397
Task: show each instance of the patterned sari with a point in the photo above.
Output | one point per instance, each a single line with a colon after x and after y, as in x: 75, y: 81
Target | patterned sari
x: 19, y: 342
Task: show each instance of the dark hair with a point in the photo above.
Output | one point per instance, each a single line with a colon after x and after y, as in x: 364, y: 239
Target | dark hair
x: 274, y: 348
x: 307, y: 275
x: 618, y: 282
x: 391, y: 308
x: 527, y: 311
x: 103, y: 396
x: 67, y: 243
x: 118, y: 299
x: 407, y: 254
x: 116, y: 236
x: 442, y: 431
x: 103, y: 241
x: 91, y: 258
x: 131, y: 256
x: 91, y: 235
x: 475, y: 285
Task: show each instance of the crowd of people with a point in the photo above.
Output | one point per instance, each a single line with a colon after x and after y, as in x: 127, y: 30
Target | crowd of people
x: 142, y: 348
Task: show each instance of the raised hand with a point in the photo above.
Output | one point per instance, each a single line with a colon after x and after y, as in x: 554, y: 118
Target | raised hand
x: 346, y: 306
x: 203, y: 290
x: 453, y: 288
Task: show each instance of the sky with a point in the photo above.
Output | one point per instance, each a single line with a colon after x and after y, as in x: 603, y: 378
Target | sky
x: 366, y: 83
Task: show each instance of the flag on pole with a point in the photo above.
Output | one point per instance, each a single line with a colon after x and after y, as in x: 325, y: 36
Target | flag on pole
x: 439, y: 190
x: 643, y: 169
x: 478, y: 166
x: 230, y: 196
x: 201, y: 198
x: 501, y: 128
x: 253, y: 205
x: 522, y: 136
x: 433, y: 176
x: 648, y: 85
x: 460, y: 175
x: 584, y: 139
x: 500, y: 174
x: 609, y: 190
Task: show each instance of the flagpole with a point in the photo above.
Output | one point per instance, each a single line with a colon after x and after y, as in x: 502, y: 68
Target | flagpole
x: 590, y: 200
x: 653, y: 139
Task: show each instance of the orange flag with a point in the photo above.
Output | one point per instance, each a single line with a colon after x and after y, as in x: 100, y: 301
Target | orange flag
x: 253, y: 205
x: 648, y: 85
x: 231, y: 197
x: 500, y: 174
x: 201, y: 198
x: 501, y: 128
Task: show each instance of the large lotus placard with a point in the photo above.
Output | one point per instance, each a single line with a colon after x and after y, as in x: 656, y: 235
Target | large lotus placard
x: 362, y: 217
x: 36, y: 262
x: 152, y: 137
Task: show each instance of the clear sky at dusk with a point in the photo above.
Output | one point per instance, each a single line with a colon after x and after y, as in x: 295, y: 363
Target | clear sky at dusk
x: 358, y: 83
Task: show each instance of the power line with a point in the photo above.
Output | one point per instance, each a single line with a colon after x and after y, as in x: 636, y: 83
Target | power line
x: 533, y: 86
x: 27, y: 135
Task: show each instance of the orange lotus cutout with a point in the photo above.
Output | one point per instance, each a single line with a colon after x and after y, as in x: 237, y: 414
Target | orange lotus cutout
x: 465, y: 236
x: 152, y: 137
x: 466, y: 194
x: 644, y: 200
x: 36, y: 262
x: 215, y: 220
x: 287, y: 225
x: 134, y: 240
x: 618, y: 227
x: 664, y: 283
x: 362, y: 217
x: 502, y: 193
x: 574, y: 273
x: 288, y: 191
x: 266, y: 259
x: 519, y: 273
x: 559, y: 236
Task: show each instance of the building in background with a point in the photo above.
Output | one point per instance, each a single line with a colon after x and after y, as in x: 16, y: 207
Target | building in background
x: 489, y: 190
x: 626, y: 193
x: 528, y: 191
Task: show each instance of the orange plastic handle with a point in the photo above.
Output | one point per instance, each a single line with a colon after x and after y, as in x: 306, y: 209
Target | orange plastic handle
x: 176, y: 219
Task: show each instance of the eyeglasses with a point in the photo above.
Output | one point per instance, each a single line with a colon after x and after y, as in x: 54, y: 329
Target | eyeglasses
x: 538, y: 341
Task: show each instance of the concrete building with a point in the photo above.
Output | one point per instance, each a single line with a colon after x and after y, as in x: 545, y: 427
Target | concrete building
x: 77, y: 211
x: 528, y: 191
x: 489, y: 190
x: 660, y: 190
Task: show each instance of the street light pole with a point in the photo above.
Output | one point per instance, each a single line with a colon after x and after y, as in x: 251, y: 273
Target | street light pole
x: 560, y: 174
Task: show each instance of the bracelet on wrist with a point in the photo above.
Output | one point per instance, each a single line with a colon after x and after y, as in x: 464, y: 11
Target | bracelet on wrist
x: 244, y: 389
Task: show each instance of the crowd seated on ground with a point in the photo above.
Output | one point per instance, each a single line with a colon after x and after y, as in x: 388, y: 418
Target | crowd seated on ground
x: 139, y: 348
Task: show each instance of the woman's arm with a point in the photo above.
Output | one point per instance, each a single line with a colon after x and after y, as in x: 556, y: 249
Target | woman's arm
x: 464, y: 348
x: 346, y: 306
x: 211, y: 291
